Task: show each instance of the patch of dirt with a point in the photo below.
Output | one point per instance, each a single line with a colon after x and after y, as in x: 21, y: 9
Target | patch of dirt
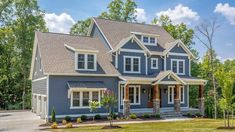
x: 111, y: 127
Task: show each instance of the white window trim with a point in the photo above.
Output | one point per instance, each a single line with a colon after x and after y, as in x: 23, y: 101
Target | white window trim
x: 132, y: 64
x: 177, y: 63
x: 81, y: 98
x: 181, y: 101
x: 152, y: 44
x: 86, y: 62
x: 173, y: 94
x: 154, y: 59
x: 135, y: 87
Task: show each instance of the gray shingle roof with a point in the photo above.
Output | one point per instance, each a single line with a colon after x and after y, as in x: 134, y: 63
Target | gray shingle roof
x: 58, y: 59
x: 115, y: 31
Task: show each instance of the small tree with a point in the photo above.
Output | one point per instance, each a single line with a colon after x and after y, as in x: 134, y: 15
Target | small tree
x: 226, y: 103
x: 93, y: 107
x: 109, y: 102
x: 53, y: 119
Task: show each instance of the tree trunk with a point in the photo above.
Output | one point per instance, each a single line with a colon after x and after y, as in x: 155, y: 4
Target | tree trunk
x: 228, y: 119
x: 23, y: 95
x: 224, y: 119
x: 213, y: 80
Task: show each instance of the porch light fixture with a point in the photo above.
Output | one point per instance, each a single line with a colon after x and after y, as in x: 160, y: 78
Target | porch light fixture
x: 143, y: 90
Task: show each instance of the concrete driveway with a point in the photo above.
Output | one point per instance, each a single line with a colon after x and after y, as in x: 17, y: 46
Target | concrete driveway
x: 20, y: 121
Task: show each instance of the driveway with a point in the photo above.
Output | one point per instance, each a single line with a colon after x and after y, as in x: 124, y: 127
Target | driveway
x: 19, y: 121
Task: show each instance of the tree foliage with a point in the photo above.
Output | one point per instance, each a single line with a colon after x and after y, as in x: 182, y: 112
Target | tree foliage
x: 117, y: 10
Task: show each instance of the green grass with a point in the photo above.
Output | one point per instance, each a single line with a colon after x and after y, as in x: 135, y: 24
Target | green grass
x: 196, y: 125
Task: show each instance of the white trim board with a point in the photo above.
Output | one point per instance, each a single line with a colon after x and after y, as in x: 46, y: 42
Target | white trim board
x: 39, y: 79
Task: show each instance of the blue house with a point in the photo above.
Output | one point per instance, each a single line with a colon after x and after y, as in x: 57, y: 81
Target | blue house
x: 149, y: 71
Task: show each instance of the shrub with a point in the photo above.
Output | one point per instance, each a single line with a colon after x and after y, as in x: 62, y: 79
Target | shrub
x: 83, y: 117
x: 53, y: 119
x: 198, y: 114
x: 97, y: 116
x: 64, y: 122
x: 133, y: 116
x: 54, y: 125
x: 146, y: 115
x: 68, y: 118
x: 69, y: 125
x: 189, y: 114
x: 158, y: 116
x: 79, y: 120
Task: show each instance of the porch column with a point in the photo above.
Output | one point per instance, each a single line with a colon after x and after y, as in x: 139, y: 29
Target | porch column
x: 126, y: 101
x: 201, y: 99
x: 156, y: 99
x: 176, y: 98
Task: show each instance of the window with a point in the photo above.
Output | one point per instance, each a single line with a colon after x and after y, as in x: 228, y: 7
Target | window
x: 149, y: 40
x: 154, y: 63
x: 146, y: 39
x: 86, y: 62
x: 181, y: 94
x: 178, y: 66
x: 152, y: 40
x: 80, y: 99
x: 131, y: 64
x: 134, y: 94
x: 171, y: 94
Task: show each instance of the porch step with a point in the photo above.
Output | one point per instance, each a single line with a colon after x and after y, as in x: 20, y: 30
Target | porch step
x: 171, y: 114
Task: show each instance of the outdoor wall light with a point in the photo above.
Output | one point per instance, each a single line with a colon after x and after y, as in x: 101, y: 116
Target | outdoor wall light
x: 143, y: 90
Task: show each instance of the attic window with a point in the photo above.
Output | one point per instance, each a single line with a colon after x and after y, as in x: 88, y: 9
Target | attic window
x: 85, y: 62
x: 148, y: 40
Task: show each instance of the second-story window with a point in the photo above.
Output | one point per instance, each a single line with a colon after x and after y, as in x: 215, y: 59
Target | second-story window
x: 86, y: 62
x: 178, y: 66
x: 152, y: 40
x: 146, y: 39
x: 149, y: 40
x: 154, y: 63
x: 131, y: 64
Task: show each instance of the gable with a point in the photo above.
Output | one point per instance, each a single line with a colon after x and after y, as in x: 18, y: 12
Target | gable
x: 131, y: 45
x: 178, y: 49
x: 168, y: 78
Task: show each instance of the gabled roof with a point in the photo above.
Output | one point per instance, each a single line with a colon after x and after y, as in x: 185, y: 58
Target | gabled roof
x: 165, y: 74
x: 132, y: 38
x: 115, y: 31
x: 57, y: 59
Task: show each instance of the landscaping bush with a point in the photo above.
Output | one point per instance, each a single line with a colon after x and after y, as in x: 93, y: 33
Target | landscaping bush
x: 97, y: 117
x: 189, y: 114
x: 133, y: 116
x: 198, y: 114
x: 53, y: 119
x: 146, y: 115
x: 158, y: 116
x: 64, y: 122
x: 54, y: 125
x: 68, y: 118
x: 69, y: 125
x: 79, y: 120
x: 83, y: 117
x: 114, y: 115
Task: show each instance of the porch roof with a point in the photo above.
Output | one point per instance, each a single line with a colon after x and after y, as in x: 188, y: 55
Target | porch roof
x: 161, y: 78
x: 86, y: 84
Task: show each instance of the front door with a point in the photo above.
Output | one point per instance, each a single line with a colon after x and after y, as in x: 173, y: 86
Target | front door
x: 150, y: 97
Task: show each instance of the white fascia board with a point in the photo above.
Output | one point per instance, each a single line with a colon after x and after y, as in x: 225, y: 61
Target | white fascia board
x: 33, y: 57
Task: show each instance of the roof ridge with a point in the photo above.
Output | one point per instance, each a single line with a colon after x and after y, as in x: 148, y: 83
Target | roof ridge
x: 130, y: 22
x: 65, y: 34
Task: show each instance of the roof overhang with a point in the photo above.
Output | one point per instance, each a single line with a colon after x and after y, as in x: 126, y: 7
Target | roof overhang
x: 80, y: 50
x: 179, y: 43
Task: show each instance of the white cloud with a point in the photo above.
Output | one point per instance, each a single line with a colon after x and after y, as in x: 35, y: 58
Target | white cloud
x: 59, y: 23
x: 179, y: 14
x: 140, y: 15
x: 222, y: 59
x: 227, y: 11
x: 229, y: 44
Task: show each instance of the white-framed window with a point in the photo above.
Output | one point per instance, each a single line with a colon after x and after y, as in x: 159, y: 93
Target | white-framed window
x: 181, y: 94
x: 134, y: 94
x: 154, y: 63
x: 80, y: 99
x: 171, y: 94
x: 131, y: 64
x: 178, y: 66
x: 149, y: 40
x: 84, y: 61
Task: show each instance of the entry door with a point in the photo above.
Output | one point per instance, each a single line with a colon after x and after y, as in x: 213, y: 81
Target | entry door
x: 150, y: 97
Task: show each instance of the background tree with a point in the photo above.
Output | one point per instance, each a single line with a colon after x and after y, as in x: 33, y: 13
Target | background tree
x: 117, y: 10
x: 206, y: 31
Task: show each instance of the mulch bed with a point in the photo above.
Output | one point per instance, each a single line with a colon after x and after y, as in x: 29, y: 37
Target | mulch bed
x: 227, y: 128
x: 111, y: 127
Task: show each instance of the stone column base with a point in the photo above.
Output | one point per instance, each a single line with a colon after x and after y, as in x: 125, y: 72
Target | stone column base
x: 177, y: 105
x: 156, y: 106
x: 201, y: 106
x: 126, y: 108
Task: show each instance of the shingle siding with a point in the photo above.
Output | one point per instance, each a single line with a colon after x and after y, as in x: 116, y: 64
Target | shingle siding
x: 37, y: 72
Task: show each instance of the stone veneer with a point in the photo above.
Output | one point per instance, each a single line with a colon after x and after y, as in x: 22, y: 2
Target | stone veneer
x: 126, y: 107
x: 177, y: 105
x: 156, y: 106
x: 201, y: 106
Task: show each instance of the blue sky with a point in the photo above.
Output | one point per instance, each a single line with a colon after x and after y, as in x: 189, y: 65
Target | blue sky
x: 61, y: 14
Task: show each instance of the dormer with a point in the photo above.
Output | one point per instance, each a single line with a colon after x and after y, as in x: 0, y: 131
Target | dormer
x: 147, y: 39
x: 85, y: 59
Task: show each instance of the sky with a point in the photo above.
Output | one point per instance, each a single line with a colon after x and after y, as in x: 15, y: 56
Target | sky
x: 60, y: 15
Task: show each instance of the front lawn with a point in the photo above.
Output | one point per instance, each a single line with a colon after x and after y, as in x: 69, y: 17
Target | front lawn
x: 195, y: 125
